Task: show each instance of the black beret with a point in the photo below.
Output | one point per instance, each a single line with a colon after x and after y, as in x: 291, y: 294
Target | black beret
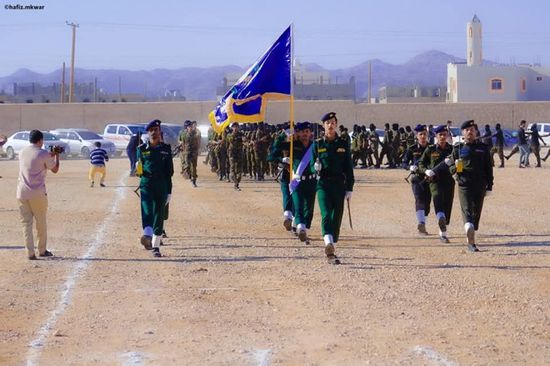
x: 328, y: 116
x: 234, y: 124
x: 420, y: 128
x: 153, y: 123
x: 440, y: 128
x: 467, y: 124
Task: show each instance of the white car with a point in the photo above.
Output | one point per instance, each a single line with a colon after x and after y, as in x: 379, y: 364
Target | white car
x: 120, y: 133
x: 19, y: 140
x: 81, y: 141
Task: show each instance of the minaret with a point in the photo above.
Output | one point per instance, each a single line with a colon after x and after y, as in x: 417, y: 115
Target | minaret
x: 474, y: 54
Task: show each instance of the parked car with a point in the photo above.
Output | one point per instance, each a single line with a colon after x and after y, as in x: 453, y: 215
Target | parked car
x: 81, y: 141
x: 120, y: 133
x: 19, y: 140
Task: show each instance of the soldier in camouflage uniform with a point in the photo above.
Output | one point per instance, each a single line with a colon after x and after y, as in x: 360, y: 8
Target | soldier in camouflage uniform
x: 182, y: 138
x: 235, y: 152
x: 396, y: 144
x: 261, y: 147
x: 374, y: 143
x: 191, y: 142
x: 387, y: 146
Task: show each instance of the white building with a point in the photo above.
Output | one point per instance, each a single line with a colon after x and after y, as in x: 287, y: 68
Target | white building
x: 474, y: 82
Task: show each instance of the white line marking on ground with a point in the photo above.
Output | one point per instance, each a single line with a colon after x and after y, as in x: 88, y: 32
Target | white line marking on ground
x: 36, y: 346
x: 132, y: 359
x: 433, y: 355
x: 262, y: 356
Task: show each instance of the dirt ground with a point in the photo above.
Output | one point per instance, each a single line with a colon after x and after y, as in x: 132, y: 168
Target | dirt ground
x: 234, y: 288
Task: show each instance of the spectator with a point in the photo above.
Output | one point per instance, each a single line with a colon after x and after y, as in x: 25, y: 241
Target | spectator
x: 98, y: 157
x: 34, y: 162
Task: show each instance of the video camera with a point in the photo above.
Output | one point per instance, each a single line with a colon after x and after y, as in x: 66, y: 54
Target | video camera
x: 56, y: 149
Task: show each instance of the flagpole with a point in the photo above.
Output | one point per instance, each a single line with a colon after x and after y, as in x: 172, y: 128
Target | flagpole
x: 291, y: 101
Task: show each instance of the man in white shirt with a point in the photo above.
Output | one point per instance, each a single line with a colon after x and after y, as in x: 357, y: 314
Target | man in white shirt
x: 34, y: 162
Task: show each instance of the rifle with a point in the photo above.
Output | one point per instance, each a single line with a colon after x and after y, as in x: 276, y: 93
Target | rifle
x: 177, y: 150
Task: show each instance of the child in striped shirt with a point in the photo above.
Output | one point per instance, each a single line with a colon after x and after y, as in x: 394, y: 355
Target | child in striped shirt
x: 98, y: 157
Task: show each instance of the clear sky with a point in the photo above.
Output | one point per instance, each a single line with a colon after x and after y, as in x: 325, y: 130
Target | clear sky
x: 143, y: 35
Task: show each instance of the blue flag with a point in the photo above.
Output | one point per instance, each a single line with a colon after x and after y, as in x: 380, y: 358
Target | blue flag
x: 268, y: 78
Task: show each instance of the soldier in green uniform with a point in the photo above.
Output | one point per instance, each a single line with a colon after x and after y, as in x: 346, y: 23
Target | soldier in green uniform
x: 304, y: 181
x: 434, y: 163
x: 420, y: 187
x: 235, y: 153
x: 156, y: 170
x: 280, y: 153
x: 474, y: 169
x: 333, y: 164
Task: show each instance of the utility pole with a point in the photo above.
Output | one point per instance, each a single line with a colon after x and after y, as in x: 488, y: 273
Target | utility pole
x: 119, y: 90
x: 370, y: 83
x: 63, y: 84
x: 71, y: 85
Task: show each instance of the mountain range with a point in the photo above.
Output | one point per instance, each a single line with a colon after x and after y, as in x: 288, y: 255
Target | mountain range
x: 195, y: 83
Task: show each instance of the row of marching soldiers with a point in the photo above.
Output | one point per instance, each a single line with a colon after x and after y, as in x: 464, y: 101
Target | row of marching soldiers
x: 368, y: 149
x: 432, y: 167
x: 242, y: 151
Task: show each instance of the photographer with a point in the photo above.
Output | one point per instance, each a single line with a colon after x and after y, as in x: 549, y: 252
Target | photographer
x: 34, y: 162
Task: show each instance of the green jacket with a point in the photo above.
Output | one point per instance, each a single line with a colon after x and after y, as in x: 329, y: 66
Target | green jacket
x: 335, y: 158
x: 158, y: 167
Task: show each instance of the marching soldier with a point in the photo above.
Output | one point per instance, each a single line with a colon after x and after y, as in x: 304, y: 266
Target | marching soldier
x: 304, y: 182
x: 434, y: 163
x: 387, y: 144
x: 474, y: 169
x: 333, y: 164
x: 182, y: 138
x: 260, y: 149
x: 420, y: 187
x: 191, y: 145
x: 374, y: 142
x: 156, y: 169
x: 235, y: 154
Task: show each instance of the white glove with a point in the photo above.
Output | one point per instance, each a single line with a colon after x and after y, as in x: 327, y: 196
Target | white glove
x: 168, y: 198
x: 448, y: 161
x: 317, y: 166
x: 488, y: 193
x: 413, y: 168
x: 348, y: 195
x: 286, y: 160
x: 430, y: 173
